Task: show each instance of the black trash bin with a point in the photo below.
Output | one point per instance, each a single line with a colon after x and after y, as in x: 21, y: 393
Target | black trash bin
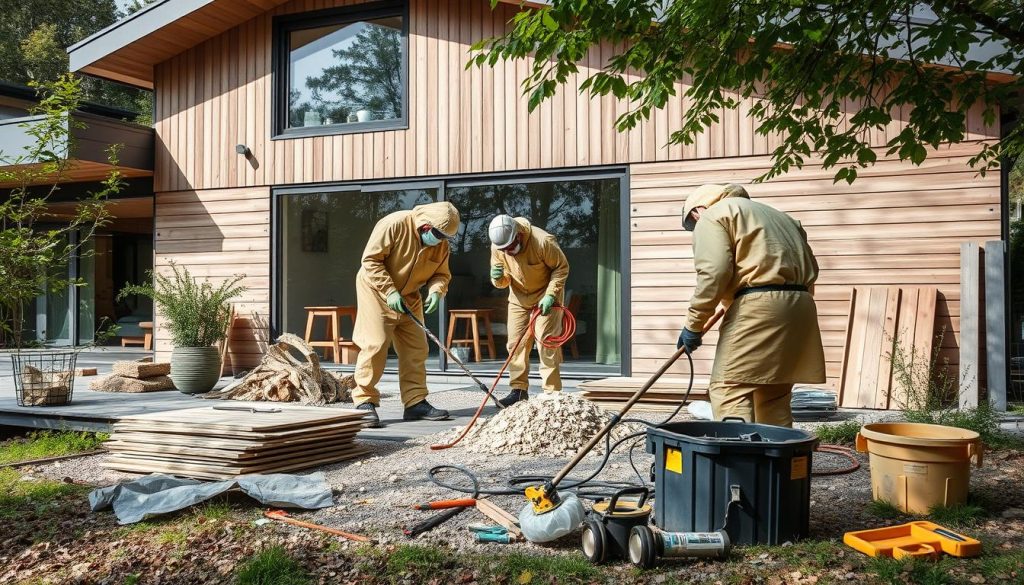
x: 760, y: 475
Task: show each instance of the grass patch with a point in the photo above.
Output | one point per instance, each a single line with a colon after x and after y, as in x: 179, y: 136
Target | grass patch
x: 884, y: 509
x: 957, y: 515
x: 174, y: 536
x: 843, y: 433
x: 15, y: 494
x: 133, y: 579
x: 213, y: 511
x: 413, y: 558
x: 803, y: 554
x: 919, y: 572
x: 1002, y: 566
x: 42, y: 444
x: 524, y: 568
x: 273, y: 566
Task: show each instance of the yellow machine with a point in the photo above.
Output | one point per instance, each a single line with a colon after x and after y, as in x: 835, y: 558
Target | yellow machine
x: 913, y: 539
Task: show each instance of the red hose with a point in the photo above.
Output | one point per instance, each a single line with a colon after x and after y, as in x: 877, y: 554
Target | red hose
x: 842, y: 452
x: 550, y: 342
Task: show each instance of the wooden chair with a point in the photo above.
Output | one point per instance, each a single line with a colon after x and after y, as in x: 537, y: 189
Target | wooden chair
x: 336, y: 346
x: 473, y: 318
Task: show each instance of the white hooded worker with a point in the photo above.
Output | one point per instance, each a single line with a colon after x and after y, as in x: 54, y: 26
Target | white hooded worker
x: 755, y: 260
x: 528, y: 261
x: 407, y: 250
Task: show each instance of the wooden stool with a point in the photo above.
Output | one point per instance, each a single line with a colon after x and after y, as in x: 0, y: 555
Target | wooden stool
x: 147, y: 337
x: 472, y: 318
x: 335, y: 343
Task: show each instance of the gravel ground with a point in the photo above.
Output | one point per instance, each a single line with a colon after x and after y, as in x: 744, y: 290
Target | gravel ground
x: 373, y: 495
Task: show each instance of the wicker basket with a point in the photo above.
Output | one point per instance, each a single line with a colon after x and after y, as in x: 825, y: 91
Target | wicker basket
x: 44, y: 378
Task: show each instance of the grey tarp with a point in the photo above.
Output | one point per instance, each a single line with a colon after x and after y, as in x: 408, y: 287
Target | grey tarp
x: 155, y: 494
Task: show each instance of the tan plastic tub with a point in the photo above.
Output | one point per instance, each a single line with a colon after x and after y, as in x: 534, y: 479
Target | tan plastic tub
x: 917, y: 466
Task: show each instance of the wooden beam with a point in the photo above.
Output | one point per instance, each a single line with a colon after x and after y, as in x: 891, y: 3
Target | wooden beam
x: 995, y: 323
x: 970, y: 303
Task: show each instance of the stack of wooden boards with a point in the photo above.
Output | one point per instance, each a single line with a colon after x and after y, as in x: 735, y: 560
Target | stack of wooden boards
x: 664, y: 396
x: 227, y: 441
x: 885, y: 321
x: 129, y: 376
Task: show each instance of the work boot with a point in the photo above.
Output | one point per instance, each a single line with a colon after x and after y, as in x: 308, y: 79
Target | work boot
x: 514, y: 396
x: 372, y: 421
x: 422, y: 410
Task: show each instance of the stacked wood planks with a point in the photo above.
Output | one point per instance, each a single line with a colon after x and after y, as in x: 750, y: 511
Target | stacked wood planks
x: 883, y: 321
x: 664, y: 396
x: 218, y: 443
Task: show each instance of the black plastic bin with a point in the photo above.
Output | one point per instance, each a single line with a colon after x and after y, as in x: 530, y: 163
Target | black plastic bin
x: 700, y: 467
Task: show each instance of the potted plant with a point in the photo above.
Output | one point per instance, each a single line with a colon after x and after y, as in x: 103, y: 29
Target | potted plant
x: 196, y: 315
x: 35, y: 249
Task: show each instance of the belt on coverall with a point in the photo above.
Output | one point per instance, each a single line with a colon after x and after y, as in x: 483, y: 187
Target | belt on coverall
x: 769, y: 288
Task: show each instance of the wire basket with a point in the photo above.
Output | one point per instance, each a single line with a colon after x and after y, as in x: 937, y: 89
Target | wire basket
x: 45, y: 378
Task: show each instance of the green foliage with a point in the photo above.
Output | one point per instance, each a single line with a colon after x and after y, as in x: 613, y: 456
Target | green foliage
x: 844, y: 433
x: 17, y: 494
x: 823, y: 76
x: 407, y: 558
x: 884, y: 509
x: 35, y: 257
x: 572, y: 568
x: 272, y: 566
x: 196, y: 314
x: 34, y: 36
x: 957, y: 515
x: 916, y: 571
x: 42, y: 444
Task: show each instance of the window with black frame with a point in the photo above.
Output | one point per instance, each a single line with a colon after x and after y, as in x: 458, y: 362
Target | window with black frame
x: 341, y: 70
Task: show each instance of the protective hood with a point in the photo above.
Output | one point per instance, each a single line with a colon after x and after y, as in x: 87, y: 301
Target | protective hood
x: 441, y: 215
x: 708, y: 195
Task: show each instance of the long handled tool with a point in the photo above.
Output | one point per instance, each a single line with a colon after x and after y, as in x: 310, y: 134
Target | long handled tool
x: 282, y: 516
x: 545, y: 497
x: 448, y: 352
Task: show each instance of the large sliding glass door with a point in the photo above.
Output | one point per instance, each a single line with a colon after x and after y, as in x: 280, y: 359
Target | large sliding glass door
x: 321, y: 233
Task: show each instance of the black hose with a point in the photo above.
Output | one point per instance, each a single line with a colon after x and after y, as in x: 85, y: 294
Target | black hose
x: 584, y: 488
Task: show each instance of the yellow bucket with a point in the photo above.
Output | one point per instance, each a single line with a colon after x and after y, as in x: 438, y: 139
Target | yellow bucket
x: 917, y: 466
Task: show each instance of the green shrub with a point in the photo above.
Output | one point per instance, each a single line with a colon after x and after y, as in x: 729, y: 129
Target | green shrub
x: 196, y: 314
x: 273, y: 566
x: 844, y: 433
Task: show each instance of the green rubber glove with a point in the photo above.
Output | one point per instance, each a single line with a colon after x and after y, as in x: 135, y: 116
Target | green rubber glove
x: 497, y: 271
x: 545, y: 304
x: 432, y: 303
x: 395, y: 302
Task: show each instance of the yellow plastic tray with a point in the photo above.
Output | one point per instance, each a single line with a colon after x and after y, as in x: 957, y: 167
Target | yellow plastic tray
x: 913, y: 539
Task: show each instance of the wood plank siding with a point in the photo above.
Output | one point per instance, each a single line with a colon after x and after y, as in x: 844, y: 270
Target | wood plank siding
x: 895, y: 226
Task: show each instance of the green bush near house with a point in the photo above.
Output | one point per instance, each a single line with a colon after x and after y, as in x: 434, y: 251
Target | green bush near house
x: 844, y: 433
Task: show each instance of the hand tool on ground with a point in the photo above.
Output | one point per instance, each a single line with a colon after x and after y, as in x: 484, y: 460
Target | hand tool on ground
x: 488, y: 533
x: 913, y: 539
x: 498, y: 514
x: 446, y: 504
x: 554, y: 341
x: 433, y: 522
x: 546, y: 509
x: 282, y: 516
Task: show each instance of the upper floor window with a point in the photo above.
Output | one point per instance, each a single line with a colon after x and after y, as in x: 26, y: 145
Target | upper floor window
x: 341, y: 70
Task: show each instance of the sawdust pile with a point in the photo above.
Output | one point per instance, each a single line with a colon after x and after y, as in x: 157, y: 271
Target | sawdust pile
x: 555, y: 424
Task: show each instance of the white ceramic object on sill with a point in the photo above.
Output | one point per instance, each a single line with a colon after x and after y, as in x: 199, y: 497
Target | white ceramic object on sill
x: 363, y: 115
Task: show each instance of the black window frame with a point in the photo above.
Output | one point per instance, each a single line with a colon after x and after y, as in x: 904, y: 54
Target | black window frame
x: 284, y: 25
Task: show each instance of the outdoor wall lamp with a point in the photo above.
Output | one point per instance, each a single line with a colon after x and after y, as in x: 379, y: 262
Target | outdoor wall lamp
x: 247, y: 153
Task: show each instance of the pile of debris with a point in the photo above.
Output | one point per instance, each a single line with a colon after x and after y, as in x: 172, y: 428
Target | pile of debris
x: 554, y: 424
x: 131, y: 376
x: 281, y: 377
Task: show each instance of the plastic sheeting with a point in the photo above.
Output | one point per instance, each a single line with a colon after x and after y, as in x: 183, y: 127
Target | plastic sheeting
x: 157, y: 494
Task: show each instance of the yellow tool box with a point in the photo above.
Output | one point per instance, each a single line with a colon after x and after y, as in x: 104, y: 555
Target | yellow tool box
x: 913, y: 539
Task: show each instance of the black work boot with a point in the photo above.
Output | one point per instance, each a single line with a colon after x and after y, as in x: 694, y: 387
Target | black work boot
x: 372, y: 420
x: 422, y: 410
x: 514, y: 396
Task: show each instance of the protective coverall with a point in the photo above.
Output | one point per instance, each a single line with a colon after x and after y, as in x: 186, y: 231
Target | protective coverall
x: 540, y: 268
x: 769, y: 340
x: 396, y: 259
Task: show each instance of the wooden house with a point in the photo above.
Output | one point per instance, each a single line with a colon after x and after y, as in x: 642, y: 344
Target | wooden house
x: 284, y: 129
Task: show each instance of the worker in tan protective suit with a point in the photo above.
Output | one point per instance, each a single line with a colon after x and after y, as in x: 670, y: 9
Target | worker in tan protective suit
x: 755, y: 260
x: 527, y: 260
x: 406, y: 251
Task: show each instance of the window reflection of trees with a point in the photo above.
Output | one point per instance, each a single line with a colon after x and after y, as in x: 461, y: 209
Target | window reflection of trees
x: 569, y: 210
x: 366, y: 209
x: 367, y: 76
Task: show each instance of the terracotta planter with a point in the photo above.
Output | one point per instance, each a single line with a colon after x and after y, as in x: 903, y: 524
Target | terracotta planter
x: 195, y: 370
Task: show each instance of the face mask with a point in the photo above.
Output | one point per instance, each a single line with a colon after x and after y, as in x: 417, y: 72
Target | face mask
x: 429, y: 239
x: 514, y: 248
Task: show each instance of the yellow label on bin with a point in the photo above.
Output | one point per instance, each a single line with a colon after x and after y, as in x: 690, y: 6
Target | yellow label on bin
x: 798, y: 468
x: 674, y: 460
